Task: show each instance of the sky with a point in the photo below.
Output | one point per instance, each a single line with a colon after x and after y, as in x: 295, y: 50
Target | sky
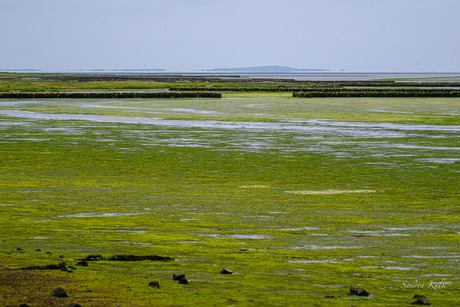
x: 190, y: 35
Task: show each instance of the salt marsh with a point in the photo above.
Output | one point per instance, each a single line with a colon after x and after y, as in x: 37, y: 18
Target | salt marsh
x: 268, y: 187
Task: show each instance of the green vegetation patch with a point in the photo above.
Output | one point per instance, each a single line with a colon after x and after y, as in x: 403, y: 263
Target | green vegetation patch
x: 300, y: 198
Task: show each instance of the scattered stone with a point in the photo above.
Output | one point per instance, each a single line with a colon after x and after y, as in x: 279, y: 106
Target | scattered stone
x: 92, y: 258
x: 74, y: 305
x: 358, y: 291
x: 49, y: 253
x: 82, y: 263
x: 24, y: 305
x: 178, y: 276
x: 59, y: 292
x: 38, y: 250
x: 154, y: 284
x: 226, y: 271
x: 183, y: 281
x: 60, y: 256
x: 329, y: 296
x: 19, y: 249
x: 421, y: 300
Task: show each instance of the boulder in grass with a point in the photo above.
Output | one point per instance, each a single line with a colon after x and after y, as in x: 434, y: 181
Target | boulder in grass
x: 178, y: 276
x: 226, y: 271
x: 183, y: 281
x: 59, y: 292
x: 92, y: 258
x: 421, y: 300
x: 154, y: 284
x: 74, y: 305
x: 358, y: 291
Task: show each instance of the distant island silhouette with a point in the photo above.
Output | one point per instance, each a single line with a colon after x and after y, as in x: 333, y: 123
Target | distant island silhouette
x: 266, y: 69
x: 125, y: 69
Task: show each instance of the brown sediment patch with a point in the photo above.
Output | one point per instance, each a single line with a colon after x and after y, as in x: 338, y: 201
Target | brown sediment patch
x: 257, y: 186
x: 32, y: 287
x: 329, y: 192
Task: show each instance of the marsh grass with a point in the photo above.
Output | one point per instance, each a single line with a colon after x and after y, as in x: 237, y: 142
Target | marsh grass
x: 215, y: 196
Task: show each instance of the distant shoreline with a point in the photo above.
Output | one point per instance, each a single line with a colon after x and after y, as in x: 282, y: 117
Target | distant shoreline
x: 305, y: 76
x: 267, y: 69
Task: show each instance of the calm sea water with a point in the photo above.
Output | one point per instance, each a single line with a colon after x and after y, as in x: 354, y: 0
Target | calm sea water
x: 329, y: 76
x: 326, y: 76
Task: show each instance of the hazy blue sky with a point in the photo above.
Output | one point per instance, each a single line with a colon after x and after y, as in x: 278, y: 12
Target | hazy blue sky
x: 185, y: 35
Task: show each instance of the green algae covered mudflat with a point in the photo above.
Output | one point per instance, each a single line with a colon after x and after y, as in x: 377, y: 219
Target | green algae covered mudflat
x: 300, y: 198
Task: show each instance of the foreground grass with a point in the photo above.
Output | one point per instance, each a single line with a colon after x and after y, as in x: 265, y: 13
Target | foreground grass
x: 299, y: 214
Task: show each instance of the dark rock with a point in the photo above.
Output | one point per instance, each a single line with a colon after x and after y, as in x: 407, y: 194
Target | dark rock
x: 49, y: 253
x: 24, y: 305
x: 82, y: 263
x: 329, y: 296
x: 59, y: 292
x: 421, y: 300
x: 19, y: 249
x: 74, y: 305
x: 61, y: 256
x: 183, y: 281
x: 358, y: 291
x: 178, y: 276
x: 226, y: 271
x: 92, y: 258
x: 38, y: 250
x: 154, y: 284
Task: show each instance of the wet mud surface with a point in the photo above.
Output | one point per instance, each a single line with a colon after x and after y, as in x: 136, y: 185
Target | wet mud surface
x: 300, y: 199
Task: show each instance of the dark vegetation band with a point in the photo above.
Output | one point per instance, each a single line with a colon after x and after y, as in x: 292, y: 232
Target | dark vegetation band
x: 112, y: 95
x: 378, y: 93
